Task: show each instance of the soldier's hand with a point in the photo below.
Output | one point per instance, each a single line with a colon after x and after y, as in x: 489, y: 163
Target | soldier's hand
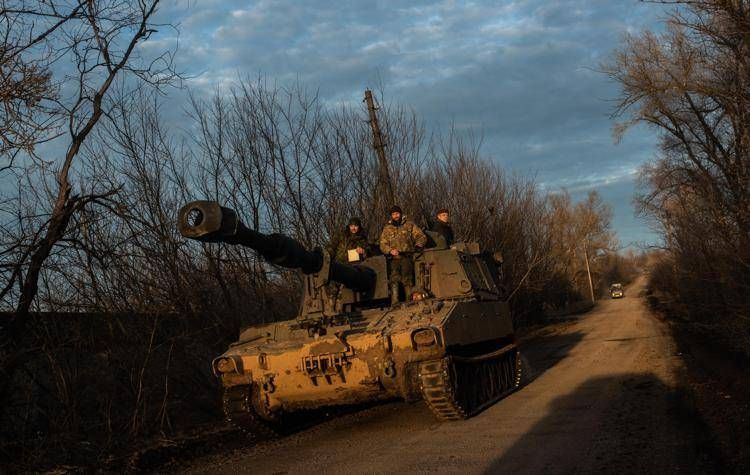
x: 360, y: 250
x: 394, y: 252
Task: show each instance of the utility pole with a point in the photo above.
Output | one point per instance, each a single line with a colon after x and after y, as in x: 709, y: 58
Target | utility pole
x: 588, y: 271
x: 384, y: 177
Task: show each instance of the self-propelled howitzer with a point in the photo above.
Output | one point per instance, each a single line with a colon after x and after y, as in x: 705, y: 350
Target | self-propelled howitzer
x: 451, y: 344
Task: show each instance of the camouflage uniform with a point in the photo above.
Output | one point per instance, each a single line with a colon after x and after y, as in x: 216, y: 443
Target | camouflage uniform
x: 351, y: 241
x: 405, y: 237
x: 348, y: 241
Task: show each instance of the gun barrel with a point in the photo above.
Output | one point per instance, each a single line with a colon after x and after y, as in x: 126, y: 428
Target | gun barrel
x: 207, y: 221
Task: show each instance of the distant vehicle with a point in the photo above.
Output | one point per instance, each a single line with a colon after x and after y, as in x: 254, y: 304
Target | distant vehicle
x: 616, y: 292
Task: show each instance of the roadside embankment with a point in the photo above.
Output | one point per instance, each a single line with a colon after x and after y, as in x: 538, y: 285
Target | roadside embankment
x: 716, y: 386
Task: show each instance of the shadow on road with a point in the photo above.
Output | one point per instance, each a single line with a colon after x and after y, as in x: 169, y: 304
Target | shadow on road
x: 631, y: 423
x: 543, y: 352
x: 539, y: 354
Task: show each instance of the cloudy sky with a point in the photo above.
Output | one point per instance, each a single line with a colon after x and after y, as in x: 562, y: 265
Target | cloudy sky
x: 522, y: 74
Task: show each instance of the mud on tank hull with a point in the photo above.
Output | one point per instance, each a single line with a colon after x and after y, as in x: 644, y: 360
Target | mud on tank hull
x: 444, y: 352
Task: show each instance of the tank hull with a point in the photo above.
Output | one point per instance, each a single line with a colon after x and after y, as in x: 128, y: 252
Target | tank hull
x: 379, y: 355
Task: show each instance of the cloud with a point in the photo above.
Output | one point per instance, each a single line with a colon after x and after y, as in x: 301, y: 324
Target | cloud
x: 521, y: 73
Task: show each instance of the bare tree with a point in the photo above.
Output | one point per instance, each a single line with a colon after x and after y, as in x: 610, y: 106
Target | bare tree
x: 692, y: 84
x: 91, y: 45
x: 27, y: 90
x: 98, y: 39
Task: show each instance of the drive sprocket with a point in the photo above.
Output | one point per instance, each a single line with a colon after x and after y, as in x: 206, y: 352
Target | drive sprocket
x: 241, y: 404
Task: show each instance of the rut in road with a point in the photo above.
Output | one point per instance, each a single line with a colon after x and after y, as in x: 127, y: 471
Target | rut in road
x: 602, y: 396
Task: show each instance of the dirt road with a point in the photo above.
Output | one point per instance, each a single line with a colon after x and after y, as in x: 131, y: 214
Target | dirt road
x: 600, y: 395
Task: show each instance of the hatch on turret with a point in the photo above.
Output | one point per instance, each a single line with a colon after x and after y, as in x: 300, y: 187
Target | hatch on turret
x: 461, y: 271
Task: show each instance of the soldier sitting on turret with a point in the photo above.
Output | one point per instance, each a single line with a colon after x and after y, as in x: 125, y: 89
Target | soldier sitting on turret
x: 399, y: 240
x: 354, y: 239
x: 352, y: 247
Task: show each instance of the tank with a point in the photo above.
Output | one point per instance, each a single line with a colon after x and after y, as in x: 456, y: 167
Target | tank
x: 452, y: 344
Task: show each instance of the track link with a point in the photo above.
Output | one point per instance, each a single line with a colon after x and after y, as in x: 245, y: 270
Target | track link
x: 456, y: 387
x: 436, y: 383
x: 240, y: 412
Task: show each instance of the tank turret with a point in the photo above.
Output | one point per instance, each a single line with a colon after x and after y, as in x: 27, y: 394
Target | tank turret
x: 207, y: 221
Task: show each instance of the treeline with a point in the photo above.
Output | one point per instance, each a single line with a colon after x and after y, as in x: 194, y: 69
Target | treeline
x: 692, y: 84
x: 287, y: 165
x: 112, y: 318
x: 124, y: 294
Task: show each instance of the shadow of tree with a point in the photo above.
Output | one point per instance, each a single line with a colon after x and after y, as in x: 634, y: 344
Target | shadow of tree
x: 630, y: 423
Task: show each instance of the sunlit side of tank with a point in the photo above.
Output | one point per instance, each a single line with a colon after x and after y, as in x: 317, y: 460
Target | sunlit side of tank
x: 373, y: 353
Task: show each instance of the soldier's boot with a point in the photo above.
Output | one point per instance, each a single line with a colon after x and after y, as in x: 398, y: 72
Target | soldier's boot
x: 394, y: 294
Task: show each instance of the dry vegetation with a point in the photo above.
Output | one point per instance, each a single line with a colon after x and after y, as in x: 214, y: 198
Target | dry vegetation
x: 692, y: 84
x: 112, y: 317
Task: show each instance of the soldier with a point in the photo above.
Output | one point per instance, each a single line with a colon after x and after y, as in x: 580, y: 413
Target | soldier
x: 443, y: 227
x: 354, y: 238
x: 399, y: 240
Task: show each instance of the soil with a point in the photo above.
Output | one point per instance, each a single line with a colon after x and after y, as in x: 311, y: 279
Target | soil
x: 609, y: 392
x: 717, y: 384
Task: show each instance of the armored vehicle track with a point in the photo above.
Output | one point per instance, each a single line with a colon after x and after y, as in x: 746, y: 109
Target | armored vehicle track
x: 240, y: 411
x: 457, y: 387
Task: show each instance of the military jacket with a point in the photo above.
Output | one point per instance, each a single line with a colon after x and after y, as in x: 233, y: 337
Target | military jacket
x: 404, y: 237
x: 445, y: 230
x: 351, y: 241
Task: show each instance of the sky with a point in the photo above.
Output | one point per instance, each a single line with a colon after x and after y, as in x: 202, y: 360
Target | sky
x: 523, y: 75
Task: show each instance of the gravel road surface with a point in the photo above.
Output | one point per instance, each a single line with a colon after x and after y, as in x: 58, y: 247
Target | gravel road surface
x: 601, y: 394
